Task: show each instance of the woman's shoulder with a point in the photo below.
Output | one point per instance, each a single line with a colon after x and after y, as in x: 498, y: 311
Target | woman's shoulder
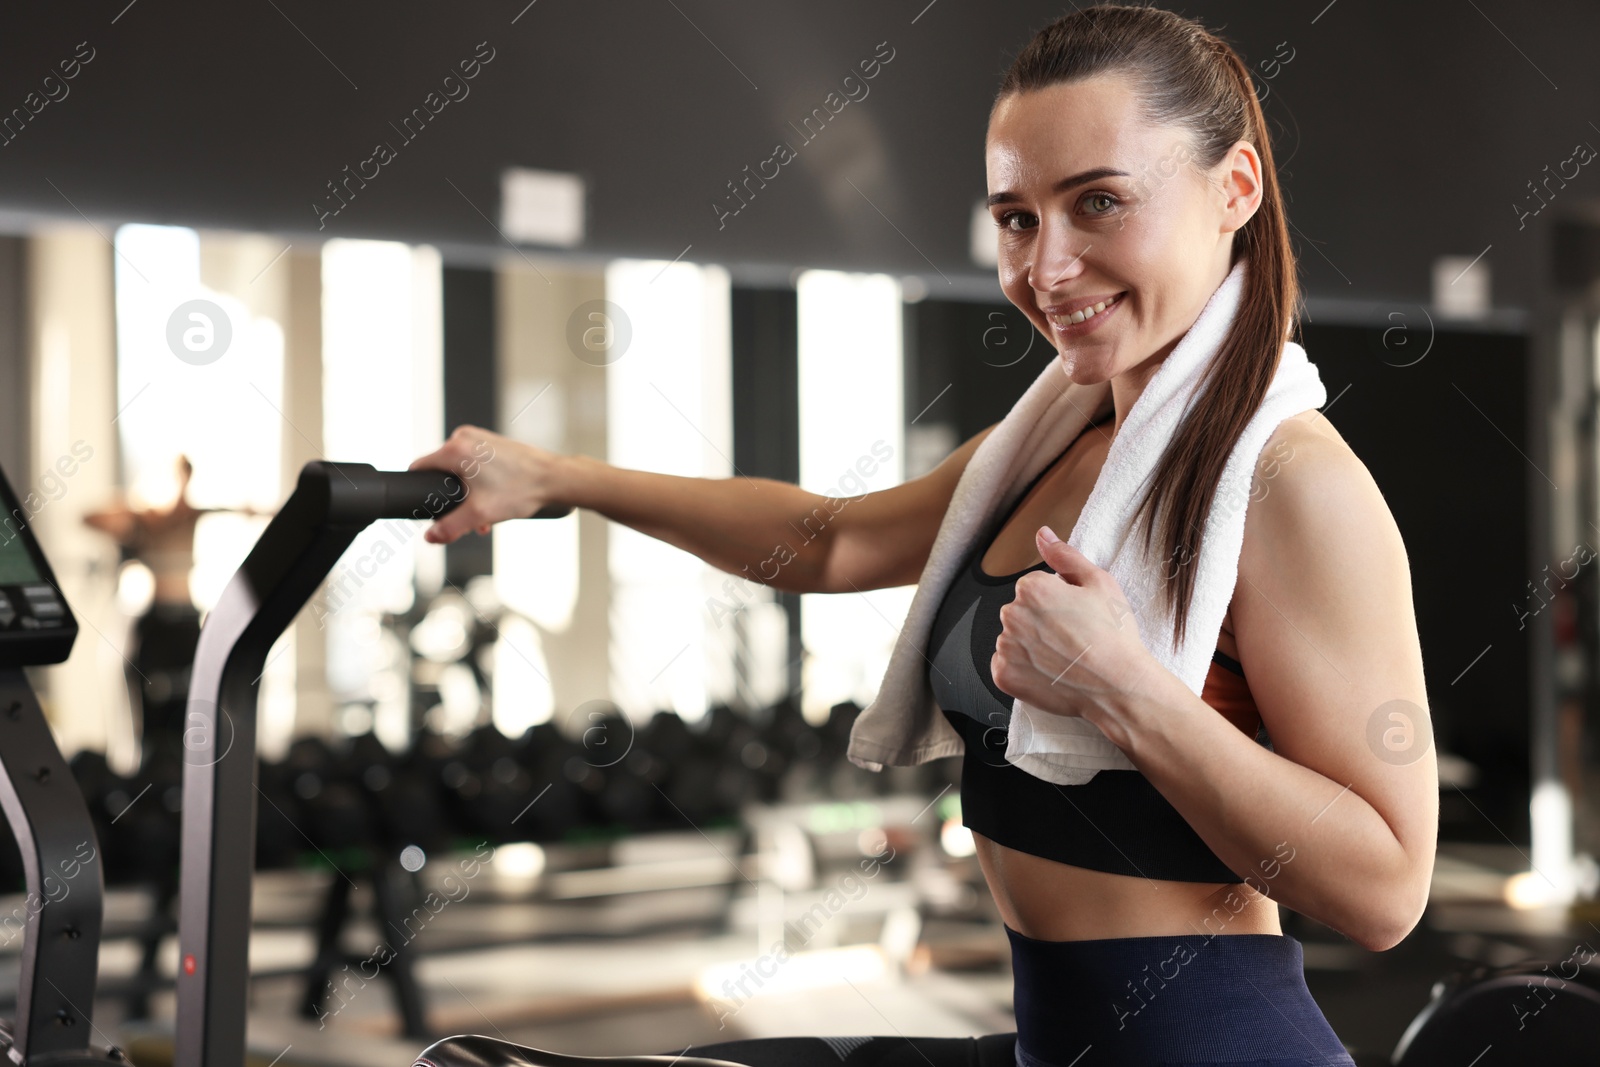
x: 1312, y: 440
x: 1307, y: 426
x: 1310, y: 483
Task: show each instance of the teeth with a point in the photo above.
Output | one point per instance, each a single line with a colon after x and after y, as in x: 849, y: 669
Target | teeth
x: 1087, y: 313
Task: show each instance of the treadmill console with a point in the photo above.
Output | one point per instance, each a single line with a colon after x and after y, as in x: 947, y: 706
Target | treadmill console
x: 36, y: 625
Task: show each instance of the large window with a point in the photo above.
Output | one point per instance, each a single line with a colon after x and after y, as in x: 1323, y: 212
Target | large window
x: 382, y: 404
x: 199, y: 375
x: 851, y: 378
x: 669, y: 410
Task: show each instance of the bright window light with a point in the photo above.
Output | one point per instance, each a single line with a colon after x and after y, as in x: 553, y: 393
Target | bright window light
x: 535, y: 578
x: 851, y: 426
x: 157, y: 268
x: 1552, y: 879
x: 197, y: 375
x: 669, y: 410
x: 382, y: 390
x: 520, y: 678
x: 536, y: 562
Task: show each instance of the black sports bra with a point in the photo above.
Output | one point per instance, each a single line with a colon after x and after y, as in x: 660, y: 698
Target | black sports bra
x: 1117, y: 821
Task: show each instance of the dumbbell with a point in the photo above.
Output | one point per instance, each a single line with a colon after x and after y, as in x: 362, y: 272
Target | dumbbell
x: 403, y: 803
x: 792, y: 748
x: 543, y: 751
x: 690, y: 765
x: 141, y: 816
x: 328, y: 812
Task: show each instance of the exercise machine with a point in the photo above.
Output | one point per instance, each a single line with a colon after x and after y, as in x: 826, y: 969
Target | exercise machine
x: 331, y: 504
x: 1528, y: 1012
x: 61, y: 914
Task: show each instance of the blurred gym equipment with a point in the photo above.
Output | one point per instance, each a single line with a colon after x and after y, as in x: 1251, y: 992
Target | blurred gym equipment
x: 48, y: 818
x: 1533, y: 1012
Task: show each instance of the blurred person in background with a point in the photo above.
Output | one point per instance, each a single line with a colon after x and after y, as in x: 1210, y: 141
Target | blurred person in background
x: 165, y: 635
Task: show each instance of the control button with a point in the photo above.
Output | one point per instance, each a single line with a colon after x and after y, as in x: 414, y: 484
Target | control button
x: 47, y: 609
x: 30, y: 623
x: 8, y: 614
x: 39, y: 592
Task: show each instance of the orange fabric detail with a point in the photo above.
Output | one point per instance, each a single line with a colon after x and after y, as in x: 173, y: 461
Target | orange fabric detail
x: 1229, y: 694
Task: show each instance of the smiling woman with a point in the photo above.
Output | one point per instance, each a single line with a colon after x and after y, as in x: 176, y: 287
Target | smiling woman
x: 1141, y: 228
x: 1131, y: 184
x: 1130, y: 176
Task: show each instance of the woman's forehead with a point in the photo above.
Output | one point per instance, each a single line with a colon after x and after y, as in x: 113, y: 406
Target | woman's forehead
x: 1042, y: 135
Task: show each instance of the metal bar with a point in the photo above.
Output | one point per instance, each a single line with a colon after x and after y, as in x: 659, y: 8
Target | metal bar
x: 219, y: 775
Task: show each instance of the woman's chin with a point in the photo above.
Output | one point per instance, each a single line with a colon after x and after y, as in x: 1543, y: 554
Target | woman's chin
x: 1082, y: 366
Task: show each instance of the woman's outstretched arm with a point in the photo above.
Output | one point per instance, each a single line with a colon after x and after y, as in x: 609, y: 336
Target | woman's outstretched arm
x: 768, y: 531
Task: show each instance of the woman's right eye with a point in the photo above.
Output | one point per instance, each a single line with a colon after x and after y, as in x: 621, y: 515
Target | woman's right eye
x: 1004, y: 221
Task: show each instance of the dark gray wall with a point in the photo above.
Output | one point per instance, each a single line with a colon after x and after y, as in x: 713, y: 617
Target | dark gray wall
x: 16, y: 391
x: 471, y: 393
x: 1406, y: 130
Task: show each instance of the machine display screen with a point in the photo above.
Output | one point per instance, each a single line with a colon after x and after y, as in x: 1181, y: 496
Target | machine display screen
x: 36, y: 625
x: 16, y: 565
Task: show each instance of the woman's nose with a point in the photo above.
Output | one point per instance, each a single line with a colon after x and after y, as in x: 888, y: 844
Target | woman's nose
x: 1058, y: 258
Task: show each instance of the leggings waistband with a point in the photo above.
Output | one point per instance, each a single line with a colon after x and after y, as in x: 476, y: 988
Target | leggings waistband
x: 1191, y: 998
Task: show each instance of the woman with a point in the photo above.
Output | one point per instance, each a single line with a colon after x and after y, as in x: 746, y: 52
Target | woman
x: 1129, y: 167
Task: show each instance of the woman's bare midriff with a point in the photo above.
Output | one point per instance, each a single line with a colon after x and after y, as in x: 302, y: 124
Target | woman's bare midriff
x: 1052, y: 901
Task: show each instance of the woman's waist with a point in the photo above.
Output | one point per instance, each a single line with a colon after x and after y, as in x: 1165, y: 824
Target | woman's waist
x: 1108, y: 970
x: 1053, y: 901
x: 1181, y: 998
x: 1063, y: 960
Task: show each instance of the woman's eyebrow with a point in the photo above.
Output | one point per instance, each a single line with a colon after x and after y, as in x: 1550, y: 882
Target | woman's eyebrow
x: 1008, y: 197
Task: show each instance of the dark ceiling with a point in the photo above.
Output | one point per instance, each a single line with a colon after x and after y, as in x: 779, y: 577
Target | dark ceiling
x: 1405, y: 131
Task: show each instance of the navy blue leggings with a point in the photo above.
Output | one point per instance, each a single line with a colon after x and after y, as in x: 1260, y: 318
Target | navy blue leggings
x: 1238, y: 999
x: 1235, y: 999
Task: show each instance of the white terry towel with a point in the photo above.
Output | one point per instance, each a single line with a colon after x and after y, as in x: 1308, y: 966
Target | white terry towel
x: 1068, y: 750
x: 903, y: 725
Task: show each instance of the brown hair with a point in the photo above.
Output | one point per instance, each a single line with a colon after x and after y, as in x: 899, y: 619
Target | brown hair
x: 1185, y: 76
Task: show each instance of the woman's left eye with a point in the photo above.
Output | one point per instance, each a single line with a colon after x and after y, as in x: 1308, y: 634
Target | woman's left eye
x: 1100, y: 196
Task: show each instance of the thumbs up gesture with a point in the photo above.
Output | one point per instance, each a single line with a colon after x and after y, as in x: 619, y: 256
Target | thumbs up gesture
x: 1068, y: 642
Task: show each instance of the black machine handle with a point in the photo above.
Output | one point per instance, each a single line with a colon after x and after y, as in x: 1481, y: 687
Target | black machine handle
x: 428, y: 494
x: 477, y: 1051
x: 330, y: 506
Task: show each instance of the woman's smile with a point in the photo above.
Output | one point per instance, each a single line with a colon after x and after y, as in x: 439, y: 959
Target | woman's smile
x: 1085, y: 319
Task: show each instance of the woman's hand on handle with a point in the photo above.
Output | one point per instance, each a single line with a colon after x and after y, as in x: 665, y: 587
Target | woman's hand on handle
x: 505, y: 479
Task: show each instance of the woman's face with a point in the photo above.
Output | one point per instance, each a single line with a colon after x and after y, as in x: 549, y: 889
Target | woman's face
x: 1156, y: 238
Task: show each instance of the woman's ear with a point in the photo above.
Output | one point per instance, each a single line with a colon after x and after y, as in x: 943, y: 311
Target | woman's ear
x: 1242, y: 187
